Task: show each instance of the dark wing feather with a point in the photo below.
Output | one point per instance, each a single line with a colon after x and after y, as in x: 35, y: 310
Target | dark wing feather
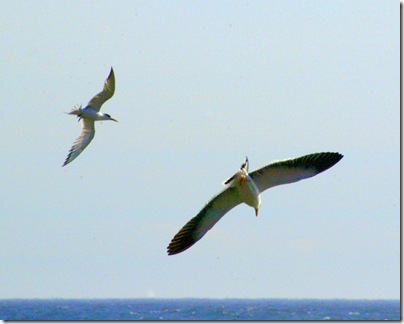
x: 198, y: 226
x: 292, y: 170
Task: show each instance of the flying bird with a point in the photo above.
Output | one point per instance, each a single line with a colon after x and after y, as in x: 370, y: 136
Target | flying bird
x: 89, y: 115
x: 245, y: 187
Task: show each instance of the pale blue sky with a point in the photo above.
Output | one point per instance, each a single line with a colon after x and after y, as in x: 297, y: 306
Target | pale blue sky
x: 199, y: 85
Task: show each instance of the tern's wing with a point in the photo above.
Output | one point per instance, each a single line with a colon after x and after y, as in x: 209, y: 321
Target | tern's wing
x: 86, y: 136
x: 292, y: 170
x: 105, y: 94
x: 197, y: 227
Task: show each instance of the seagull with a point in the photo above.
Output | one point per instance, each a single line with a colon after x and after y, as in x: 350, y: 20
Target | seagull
x: 245, y: 187
x: 89, y: 115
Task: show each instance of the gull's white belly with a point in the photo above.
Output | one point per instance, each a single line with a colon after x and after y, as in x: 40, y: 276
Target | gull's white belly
x: 249, y: 193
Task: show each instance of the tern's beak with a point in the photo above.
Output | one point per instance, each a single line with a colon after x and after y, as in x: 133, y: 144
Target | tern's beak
x: 256, y: 211
x: 114, y: 120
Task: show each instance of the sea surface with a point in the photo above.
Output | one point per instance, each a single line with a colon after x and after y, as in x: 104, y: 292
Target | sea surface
x: 198, y: 309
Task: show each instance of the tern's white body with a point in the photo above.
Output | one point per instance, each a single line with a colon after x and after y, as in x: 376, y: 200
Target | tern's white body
x: 93, y: 114
x: 90, y: 114
x: 245, y: 187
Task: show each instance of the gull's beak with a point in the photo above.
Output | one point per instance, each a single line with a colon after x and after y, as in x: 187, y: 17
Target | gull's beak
x: 256, y: 211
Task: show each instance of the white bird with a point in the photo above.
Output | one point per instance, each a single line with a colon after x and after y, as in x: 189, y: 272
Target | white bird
x: 245, y: 187
x: 89, y: 115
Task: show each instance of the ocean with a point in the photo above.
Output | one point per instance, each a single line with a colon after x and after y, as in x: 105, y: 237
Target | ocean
x: 199, y: 309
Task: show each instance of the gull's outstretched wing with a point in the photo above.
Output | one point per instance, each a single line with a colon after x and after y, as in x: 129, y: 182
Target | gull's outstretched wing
x: 197, y: 227
x: 292, y: 170
x: 105, y: 94
x: 86, y: 136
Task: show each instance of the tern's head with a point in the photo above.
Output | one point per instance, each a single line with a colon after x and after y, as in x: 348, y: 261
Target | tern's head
x: 108, y: 117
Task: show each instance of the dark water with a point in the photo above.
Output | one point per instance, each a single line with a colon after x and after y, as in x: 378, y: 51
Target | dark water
x: 198, y: 309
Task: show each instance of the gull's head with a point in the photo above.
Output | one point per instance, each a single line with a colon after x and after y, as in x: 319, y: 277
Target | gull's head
x: 108, y: 117
x: 257, y: 208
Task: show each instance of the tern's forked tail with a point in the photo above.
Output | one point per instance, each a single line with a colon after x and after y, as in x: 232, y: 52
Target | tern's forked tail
x: 75, y: 111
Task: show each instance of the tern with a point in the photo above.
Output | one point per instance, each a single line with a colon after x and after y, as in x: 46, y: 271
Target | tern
x: 89, y: 115
x: 245, y: 187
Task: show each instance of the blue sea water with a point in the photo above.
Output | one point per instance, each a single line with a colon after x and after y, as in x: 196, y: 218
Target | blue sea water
x: 198, y: 309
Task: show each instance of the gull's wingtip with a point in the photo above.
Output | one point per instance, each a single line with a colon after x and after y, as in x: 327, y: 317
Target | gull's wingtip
x: 170, y: 251
x: 338, y: 156
x: 323, y: 161
x: 176, y: 250
x: 182, y: 241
